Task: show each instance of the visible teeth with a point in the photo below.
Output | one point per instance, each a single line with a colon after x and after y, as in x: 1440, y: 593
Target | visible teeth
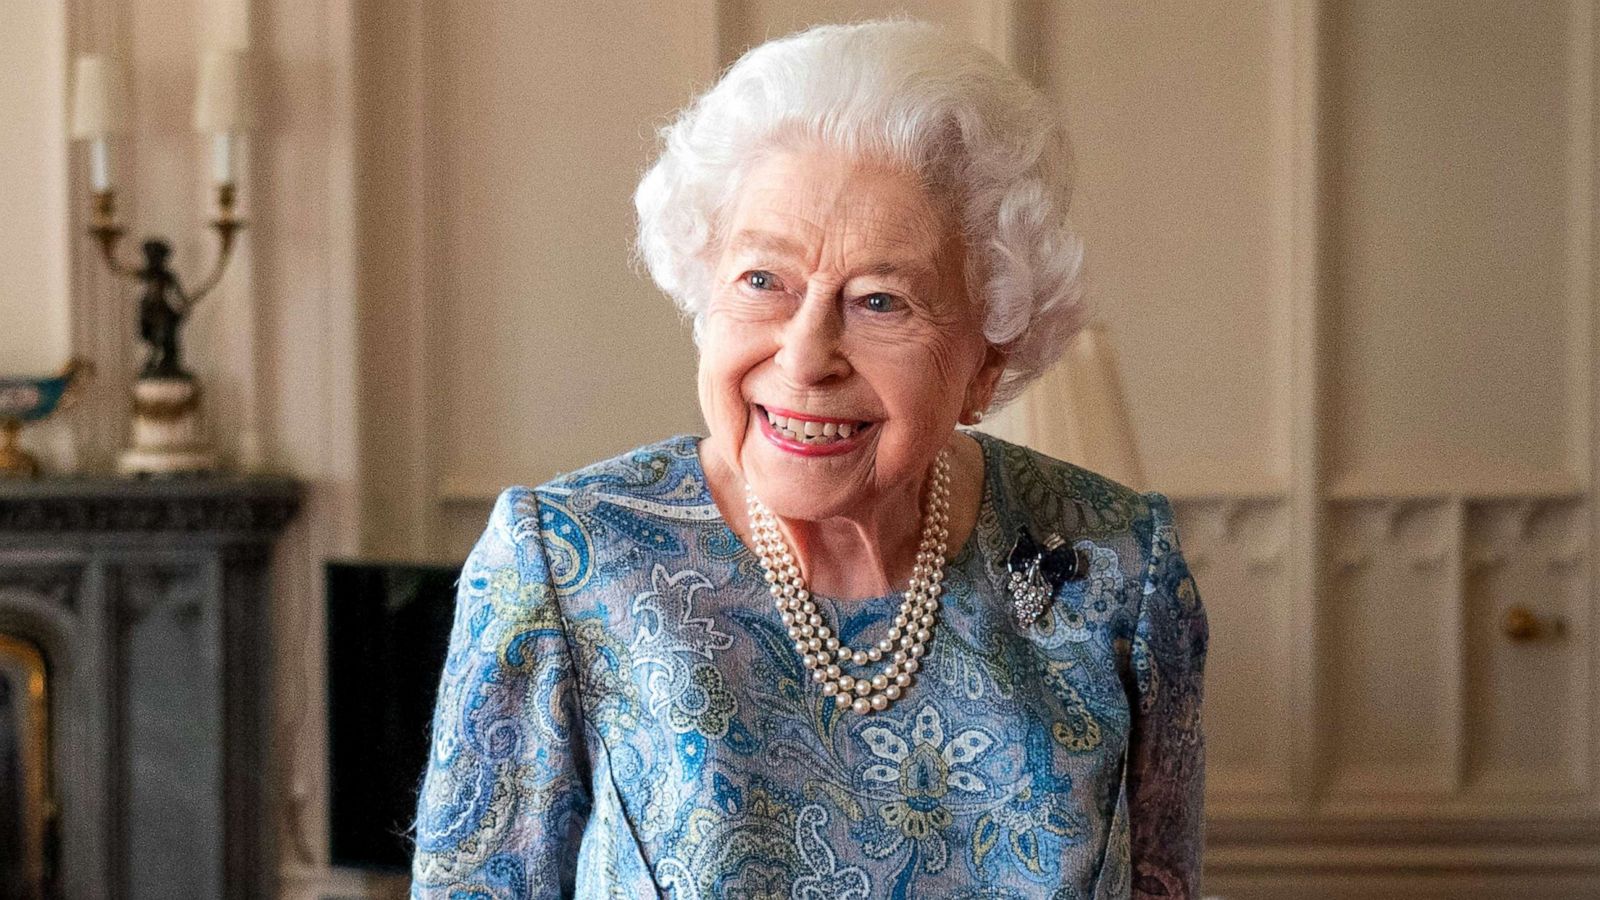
x: 812, y: 432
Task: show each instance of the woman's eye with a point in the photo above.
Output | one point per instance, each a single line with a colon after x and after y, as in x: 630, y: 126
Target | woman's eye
x: 881, y: 303
x: 761, y: 281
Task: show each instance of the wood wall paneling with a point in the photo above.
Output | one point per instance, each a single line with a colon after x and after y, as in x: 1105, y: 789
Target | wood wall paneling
x: 1449, y: 303
x: 755, y: 21
x: 551, y: 352
x: 1176, y: 118
x: 1345, y: 249
x: 1529, y: 554
x: 1388, y: 646
x: 1238, y: 551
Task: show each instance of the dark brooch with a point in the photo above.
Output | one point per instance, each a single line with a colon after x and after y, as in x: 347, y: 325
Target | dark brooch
x: 1037, y: 570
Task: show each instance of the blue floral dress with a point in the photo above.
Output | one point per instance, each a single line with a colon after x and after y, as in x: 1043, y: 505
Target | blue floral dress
x: 622, y: 714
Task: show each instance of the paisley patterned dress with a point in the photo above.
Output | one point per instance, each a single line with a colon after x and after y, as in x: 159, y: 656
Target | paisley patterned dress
x: 622, y: 714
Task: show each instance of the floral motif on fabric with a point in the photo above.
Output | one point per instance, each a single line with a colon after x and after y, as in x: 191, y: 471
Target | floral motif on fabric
x: 621, y: 713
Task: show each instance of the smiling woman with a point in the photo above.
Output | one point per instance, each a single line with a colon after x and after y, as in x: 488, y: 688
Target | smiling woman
x: 837, y: 648
x: 851, y: 307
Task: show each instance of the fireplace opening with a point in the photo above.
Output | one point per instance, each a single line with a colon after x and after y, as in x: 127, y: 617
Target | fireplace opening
x: 26, y: 811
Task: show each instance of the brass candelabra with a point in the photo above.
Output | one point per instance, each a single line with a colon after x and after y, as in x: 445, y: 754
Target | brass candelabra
x: 167, y: 437
x: 107, y: 233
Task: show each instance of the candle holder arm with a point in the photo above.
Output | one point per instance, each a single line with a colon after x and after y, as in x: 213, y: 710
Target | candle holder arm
x: 107, y: 233
x: 227, y: 225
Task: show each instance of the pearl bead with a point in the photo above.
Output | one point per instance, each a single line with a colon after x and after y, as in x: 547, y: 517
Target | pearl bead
x: 916, y: 651
x: 892, y: 692
x: 846, y: 682
x: 833, y: 671
x: 859, y: 657
x: 902, y: 680
x: 876, y: 653
x: 879, y: 682
x: 816, y: 675
x: 880, y: 702
x: 841, y: 700
x: 892, y: 669
x: 829, y: 689
x: 809, y: 660
x: 924, y: 635
x: 813, y: 644
x: 860, y: 706
x: 863, y: 687
x: 831, y: 642
x: 912, y: 665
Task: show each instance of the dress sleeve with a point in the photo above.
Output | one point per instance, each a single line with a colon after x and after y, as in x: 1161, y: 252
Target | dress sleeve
x: 1166, y: 755
x: 506, y: 796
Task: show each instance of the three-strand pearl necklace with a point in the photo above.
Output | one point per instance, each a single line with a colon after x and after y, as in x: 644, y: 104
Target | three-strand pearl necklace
x: 819, y: 646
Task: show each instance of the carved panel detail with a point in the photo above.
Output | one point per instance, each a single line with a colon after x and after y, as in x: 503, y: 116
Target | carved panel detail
x: 1526, y: 703
x: 44, y: 584
x: 1236, y: 548
x: 1389, y: 647
x: 55, y: 514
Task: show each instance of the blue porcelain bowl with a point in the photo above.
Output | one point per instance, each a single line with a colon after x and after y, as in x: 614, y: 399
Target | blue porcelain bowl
x: 27, y: 399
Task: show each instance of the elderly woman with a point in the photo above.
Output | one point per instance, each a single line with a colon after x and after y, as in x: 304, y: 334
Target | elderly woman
x: 837, y: 648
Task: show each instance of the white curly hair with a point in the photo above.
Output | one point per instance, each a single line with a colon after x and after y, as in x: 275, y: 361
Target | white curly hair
x: 981, y: 138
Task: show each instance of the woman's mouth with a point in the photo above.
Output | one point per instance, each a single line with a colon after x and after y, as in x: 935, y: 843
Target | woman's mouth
x: 811, y: 435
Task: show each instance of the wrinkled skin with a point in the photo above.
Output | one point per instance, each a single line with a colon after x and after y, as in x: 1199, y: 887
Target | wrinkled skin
x: 840, y: 291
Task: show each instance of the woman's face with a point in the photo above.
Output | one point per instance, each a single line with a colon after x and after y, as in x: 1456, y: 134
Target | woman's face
x: 839, y: 347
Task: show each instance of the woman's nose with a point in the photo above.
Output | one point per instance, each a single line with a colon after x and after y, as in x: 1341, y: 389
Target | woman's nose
x: 809, y: 348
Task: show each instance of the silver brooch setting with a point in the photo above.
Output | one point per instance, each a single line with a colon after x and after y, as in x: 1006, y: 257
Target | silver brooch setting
x: 1036, y: 570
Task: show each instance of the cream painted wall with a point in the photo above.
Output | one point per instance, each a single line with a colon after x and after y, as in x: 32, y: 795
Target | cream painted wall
x: 500, y: 146
x: 1345, y: 251
x: 34, y: 336
x: 1180, y: 145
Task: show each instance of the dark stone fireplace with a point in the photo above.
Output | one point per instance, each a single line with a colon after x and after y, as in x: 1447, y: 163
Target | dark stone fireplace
x: 142, y: 607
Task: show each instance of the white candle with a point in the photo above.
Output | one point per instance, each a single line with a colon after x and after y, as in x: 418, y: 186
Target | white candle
x: 97, y: 113
x: 100, y: 164
x: 219, y: 108
x: 222, y: 158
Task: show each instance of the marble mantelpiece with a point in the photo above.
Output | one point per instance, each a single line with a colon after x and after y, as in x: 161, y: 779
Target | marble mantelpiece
x: 148, y: 600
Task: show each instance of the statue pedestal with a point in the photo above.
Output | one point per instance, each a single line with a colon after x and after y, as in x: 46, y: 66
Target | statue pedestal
x: 166, y: 429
